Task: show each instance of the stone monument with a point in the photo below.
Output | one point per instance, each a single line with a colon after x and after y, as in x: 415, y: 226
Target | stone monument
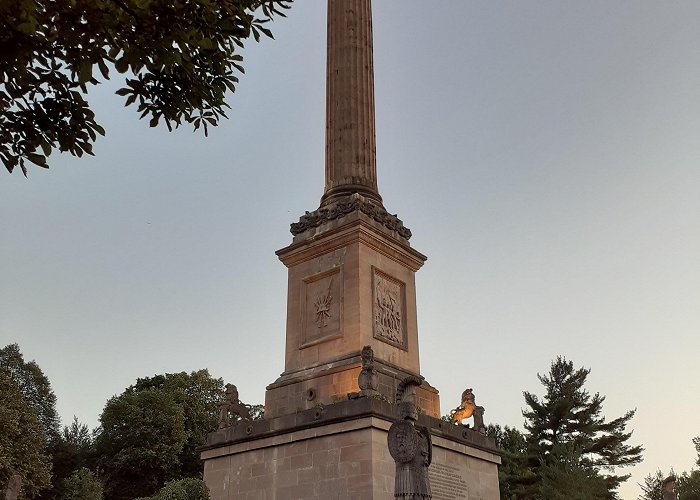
x: 351, y: 334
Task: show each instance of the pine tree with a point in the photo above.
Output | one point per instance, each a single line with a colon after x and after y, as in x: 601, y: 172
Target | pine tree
x: 569, y: 439
x: 651, y: 489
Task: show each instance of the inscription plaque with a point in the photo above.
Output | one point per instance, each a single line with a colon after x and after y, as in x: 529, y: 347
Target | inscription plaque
x: 447, y: 482
x: 389, y: 308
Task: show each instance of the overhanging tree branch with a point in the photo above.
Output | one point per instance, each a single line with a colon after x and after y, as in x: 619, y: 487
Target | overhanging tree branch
x: 183, y: 57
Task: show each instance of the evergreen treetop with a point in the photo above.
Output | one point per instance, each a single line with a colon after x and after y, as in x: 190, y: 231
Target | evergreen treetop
x: 567, y: 433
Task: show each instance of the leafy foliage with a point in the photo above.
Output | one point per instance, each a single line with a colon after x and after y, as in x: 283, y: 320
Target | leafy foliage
x: 82, y: 485
x: 566, y: 478
x: 514, y: 473
x: 22, y: 440
x: 199, y: 395
x: 257, y: 412
x: 179, y: 60
x: 34, y: 386
x: 184, y: 489
x: 71, y: 451
x: 140, y: 443
x: 568, y: 433
x: 150, y: 433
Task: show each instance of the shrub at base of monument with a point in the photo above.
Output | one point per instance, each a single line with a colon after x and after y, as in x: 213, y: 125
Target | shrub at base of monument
x: 184, y: 489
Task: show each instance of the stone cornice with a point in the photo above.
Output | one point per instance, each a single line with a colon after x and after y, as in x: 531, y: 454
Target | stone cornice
x: 245, y: 435
x: 356, y: 230
x: 346, y: 206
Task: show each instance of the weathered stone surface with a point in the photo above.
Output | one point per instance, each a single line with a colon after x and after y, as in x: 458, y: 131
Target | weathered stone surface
x: 410, y: 445
x: 332, y: 382
x: 343, y: 210
x: 348, y: 288
x: 368, y: 379
x: 340, y: 451
x: 351, y: 165
x: 232, y: 409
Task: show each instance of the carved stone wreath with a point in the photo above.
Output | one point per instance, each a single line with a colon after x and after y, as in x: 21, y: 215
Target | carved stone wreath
x: 346, y: 206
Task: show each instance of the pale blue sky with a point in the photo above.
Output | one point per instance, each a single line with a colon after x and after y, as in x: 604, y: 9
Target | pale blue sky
x: 545, y: 155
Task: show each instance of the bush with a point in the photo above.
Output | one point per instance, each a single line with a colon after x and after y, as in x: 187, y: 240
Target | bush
x: 82, y: 485
x: 184, y: 489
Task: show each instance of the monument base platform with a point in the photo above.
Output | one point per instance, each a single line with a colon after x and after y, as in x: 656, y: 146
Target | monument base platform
x: 322, y: 384
x: 340, y: 451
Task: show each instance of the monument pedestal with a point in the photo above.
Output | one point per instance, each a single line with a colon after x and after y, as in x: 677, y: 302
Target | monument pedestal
x: 351, y: 312
x: 340, y: 451
x: 351, y: 284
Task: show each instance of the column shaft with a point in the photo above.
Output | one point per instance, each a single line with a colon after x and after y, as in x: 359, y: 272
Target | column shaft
x: 350, y: 133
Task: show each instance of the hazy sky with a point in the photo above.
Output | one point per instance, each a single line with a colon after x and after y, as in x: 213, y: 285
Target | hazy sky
x: 544, y: 154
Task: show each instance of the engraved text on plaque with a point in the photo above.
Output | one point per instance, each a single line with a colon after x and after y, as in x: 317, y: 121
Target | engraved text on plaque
x: 447, y: 482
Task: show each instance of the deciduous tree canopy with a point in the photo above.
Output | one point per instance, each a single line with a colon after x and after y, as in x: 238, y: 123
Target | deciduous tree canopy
x: 82, y: 485
x: 184, y: 489
x: 179, y: 59
x: 142, y: 436
x: 199, y: 395
x: 34, y: 386
x: 150, y: 433
x: 70, y: 452
x: 22, y: 441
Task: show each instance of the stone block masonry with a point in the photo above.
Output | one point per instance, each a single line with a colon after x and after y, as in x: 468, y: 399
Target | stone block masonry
x: 340, y: 452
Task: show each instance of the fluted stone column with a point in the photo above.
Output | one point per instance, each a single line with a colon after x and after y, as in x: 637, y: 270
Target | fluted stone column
x: 351, y: 165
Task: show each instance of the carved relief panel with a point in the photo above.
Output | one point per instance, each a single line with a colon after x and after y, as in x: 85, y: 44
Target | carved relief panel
x: 389, y: 309
x: 322, y: 307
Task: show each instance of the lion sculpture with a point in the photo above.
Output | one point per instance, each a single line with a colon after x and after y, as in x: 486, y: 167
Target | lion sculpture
x: 231, y: 409
x: 468, y: 408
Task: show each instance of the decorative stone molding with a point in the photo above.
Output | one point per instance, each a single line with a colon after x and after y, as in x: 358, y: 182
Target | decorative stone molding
x: 348, y: 205
x: 389, y: 309
x: 322, y: 308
